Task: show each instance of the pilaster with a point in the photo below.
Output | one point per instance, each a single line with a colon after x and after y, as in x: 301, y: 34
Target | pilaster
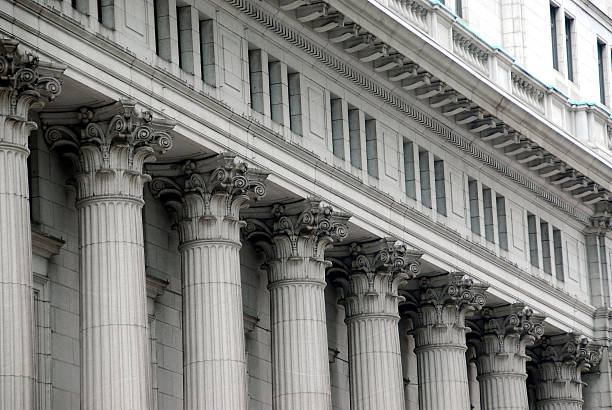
x: 294, y: 240
x: 370, y: 277
x: 440, y: 307
x: 25, y: 83
x: 108, y: 147
x: 559, y: 362
x: 501, y: 356
x: 205, y: 198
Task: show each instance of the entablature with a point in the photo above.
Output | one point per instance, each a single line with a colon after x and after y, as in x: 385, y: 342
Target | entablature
x: 526, y: 144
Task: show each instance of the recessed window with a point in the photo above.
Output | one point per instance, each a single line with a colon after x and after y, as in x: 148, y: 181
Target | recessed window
x: 474, y: 206
x: 354, y: 136
x: 533, y: 240
x: 161, y: 13
x: 371, y: 147
x: 502, y: 224
x: 185, y: 38
x: 439, y: 186
x: 459, y: 8
x: 295, y: 102
x: 207, y: 51
x: 337, y: 126
x: 409, y: 171
x: 256, y: 81
x: 425, y: 178
x: 106, y: 13
x: 553, y: 36
x: 487, y: 202
x: 601, y: 49
x: 558, y: 254
x: 569, y: 25
x: 276, y: 91
x: 545, y: 241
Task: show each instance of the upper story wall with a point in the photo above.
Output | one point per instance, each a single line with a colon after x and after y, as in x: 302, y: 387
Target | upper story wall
x: 525, y: 30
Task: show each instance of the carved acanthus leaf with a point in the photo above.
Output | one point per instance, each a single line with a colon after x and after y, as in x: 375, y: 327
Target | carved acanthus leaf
x: 27, y: 78
x: 191, y: 193
x: 456, y: 289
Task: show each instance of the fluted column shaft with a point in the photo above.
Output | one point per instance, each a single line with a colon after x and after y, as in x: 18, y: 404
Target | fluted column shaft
x: 300, y: 361
x: 25, y: 82
x: 442, y: 373
x: 214, y: 359
x: 108, y: 148
x: 501, y: 357
x: 16, y: 342
x: 375, y: 363
x: 205, y: 199
x: 503, y: 391
x: 294, y: 238
x: 114, y: 356
x: 370, y: 278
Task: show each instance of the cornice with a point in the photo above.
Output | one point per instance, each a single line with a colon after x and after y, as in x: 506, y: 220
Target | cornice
x: 398, y: 102
x: 46, y: 245
x: 245, y: 123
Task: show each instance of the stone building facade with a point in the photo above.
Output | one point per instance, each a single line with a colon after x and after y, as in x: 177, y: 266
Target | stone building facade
x: 296, y: 204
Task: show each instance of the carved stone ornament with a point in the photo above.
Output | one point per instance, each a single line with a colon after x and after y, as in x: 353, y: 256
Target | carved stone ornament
x: 25, y: 83
x: 374, y: 270
x: 25, y: 80
x: 568, y: 349
x: 108, y: 146
x: 602, y: 219
x: 300, y: 229
x: 513, y: 319
x: 208, y: 191
x: 453, y: 289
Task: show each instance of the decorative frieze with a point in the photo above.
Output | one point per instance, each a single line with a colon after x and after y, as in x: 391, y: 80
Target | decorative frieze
x: 294, y: 238
x: 25, y: 83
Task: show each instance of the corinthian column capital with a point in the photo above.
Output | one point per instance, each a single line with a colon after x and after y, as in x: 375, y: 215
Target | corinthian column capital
x: 371, y: 274
x: 25, y: 83
x: 559, y: 362
x: 511, y: 328
x: 302, y: 229
x: 505, y: 332
x: 206, y: 195
x: 108, y: 146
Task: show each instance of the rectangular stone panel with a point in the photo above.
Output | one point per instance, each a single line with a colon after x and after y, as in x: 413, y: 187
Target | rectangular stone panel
x: 457, y: 193
x: 232, y: 63
x: 517, y: 225
x: 573, y: 266
x: 316, y: 111
x: 391, y: 153
x: 135, y: 15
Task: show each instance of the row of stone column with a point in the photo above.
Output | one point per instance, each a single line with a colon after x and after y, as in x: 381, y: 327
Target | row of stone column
x: 108, y: 148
